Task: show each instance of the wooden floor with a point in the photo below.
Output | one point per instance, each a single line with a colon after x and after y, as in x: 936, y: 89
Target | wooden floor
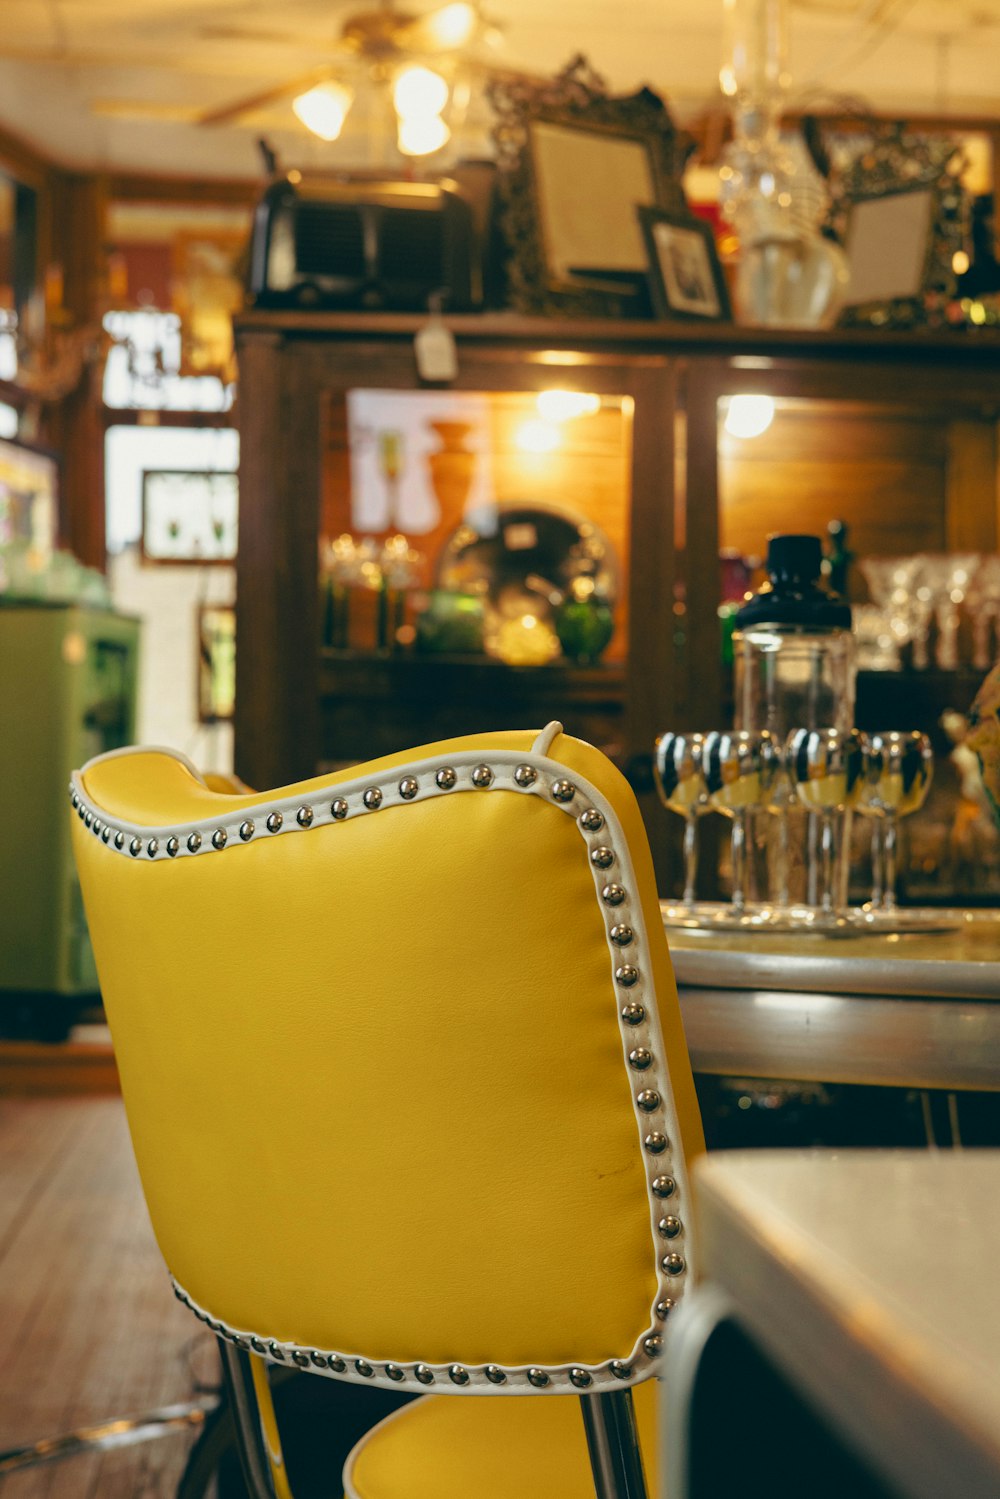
x: 89, y: 1328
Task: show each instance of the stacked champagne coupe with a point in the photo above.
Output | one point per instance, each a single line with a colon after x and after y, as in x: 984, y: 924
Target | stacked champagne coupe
x: 790, y: 806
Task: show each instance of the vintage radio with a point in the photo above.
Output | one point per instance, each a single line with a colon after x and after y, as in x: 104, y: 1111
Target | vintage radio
x: 323, y: 242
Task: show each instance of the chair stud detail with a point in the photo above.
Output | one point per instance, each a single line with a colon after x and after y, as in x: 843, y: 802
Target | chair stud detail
x: 664, y: 1186
x: 482, y: 776
x: 173, y: 846
x: 194, y: 843
x: 653, y: 1345
x: 394, y: 1372
x: 620, y: 1369
x: 538, y: 1378
x: 672, y: 1263
x: 220, y: 838
x: 408, y: 788
x: 458, y: 1375
x: 302, y: 1359
x: 338, y: 809
x: 669, y: 1227
x: 153, y: 847
x: 304, y: 817
x: 276, y: 1351
x: 663, y: 1308
x: 247, y: 830
x: 495, y: 1374
x: 563, y: 791
x: 648, y: 1100
x: 633, y: 1014
x: 626, y: 975
x: 446, y: 778
x: 364, y: 1368
x: 581, y: 1378
x: 135, y: 847
x: 591, y: 821
x: 640, y: 1058
x: 612, y: 895
x: 602, y: 858
x: 274, y: 821
x: 372, y: 798
x: 525, y: 775
x: 656, y: 1142
x: 621, y: 936
x: 425, y: 1375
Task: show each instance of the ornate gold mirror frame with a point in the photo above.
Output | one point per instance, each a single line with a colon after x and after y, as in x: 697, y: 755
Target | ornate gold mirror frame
x: 574, y: 164
x: 900, y: 203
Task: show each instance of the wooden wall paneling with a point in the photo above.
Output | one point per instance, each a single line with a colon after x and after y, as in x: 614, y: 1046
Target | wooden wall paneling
x: 276, y: 569
x: 75, y: 427
x: 702, y: 704
x: 651, y: 672
x: 972, y: 487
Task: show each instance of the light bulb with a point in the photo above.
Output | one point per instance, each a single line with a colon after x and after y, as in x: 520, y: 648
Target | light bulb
x: 537, y: 437
x: 323, y: 109
x: 749, y: 416
x: 451, y: 26
x: 960, y: 262
x: 419, y: 92
x: 422, y: 134
x: 564, y: 405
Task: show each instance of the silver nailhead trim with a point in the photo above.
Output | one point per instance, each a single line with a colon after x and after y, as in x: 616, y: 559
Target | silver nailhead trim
x: 247, y: 830
x: 372, y: 798
x: 408, y: 788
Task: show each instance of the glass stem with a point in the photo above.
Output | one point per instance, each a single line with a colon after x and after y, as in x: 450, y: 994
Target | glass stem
x: 878, y: 883
x: 690, y: 859
x: 826, y: 857
x: 739, y: 859
x: 782, y: 861
x: 889, y: 865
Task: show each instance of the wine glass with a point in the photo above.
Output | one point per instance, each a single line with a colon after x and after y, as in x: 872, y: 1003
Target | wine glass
x: 983, y: 598
x: 944, y: 581
x: 740, y: 770
x: 680, y: 780
x: 897, y: 778
x: 825, y: 766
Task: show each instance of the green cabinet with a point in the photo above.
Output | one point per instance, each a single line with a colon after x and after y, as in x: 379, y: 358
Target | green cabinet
x: 67, y: 692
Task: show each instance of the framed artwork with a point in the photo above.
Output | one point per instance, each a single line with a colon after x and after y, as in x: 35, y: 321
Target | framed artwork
x: 685, y: 277
x: 900, y: 210
x: 189, y: 515
x: 216, y: 663
x: 574, y: 163
x: 29, y: 497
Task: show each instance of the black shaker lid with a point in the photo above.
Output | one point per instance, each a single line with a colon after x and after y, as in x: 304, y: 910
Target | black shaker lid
x: 792, y: 596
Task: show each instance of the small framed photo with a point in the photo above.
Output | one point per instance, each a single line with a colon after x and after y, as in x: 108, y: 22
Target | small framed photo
x: 685, y: 277
x: 189, y: 515
x: 216, y: 663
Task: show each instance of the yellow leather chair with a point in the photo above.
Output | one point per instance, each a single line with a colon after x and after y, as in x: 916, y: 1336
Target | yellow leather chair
x: 405, y: 1074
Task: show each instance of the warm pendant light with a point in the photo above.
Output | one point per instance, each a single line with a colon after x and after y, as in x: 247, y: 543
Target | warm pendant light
x: 418, y: 92
x: 421, y: 134
x: 323, y: 109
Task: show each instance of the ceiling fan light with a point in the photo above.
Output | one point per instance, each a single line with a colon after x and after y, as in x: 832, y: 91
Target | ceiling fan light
x: 419, y: 135
x: 323, y: 109
x: 453, y: 25
x: 419, y: 93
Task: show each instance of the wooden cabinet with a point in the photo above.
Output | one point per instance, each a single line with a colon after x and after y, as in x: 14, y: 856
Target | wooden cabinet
x: 896, y: 431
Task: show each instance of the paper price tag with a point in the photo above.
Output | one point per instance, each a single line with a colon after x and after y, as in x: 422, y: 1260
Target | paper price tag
x: 437, y: 357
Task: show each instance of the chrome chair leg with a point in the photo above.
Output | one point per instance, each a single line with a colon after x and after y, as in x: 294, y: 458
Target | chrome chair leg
x: 613, y: 1444
x: 236, y: 1368
x: 102, y: 1437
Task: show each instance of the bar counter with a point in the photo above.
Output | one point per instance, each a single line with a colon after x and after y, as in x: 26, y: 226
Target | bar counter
x: 919, y: 1010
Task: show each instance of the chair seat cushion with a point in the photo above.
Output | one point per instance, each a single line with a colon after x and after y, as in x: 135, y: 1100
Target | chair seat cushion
x: 473, y: 1447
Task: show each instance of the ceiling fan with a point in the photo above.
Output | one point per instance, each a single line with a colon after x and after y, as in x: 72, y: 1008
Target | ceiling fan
x: 416, y: 55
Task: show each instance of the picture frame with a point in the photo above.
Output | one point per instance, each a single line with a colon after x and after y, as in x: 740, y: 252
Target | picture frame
x: 189, y: 516
x: 685, y: 275
x: 216, y: 673
x: 29, y: 496
x: 900, y: 209
x: 573, y: 164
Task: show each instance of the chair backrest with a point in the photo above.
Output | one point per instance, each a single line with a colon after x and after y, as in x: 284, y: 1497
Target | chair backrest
x: 402, y: 1059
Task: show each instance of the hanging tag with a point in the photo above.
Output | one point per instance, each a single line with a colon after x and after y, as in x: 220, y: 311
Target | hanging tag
x: 437, y: 357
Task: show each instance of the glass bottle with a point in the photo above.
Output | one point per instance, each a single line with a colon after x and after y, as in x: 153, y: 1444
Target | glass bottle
x: 794, y: 669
